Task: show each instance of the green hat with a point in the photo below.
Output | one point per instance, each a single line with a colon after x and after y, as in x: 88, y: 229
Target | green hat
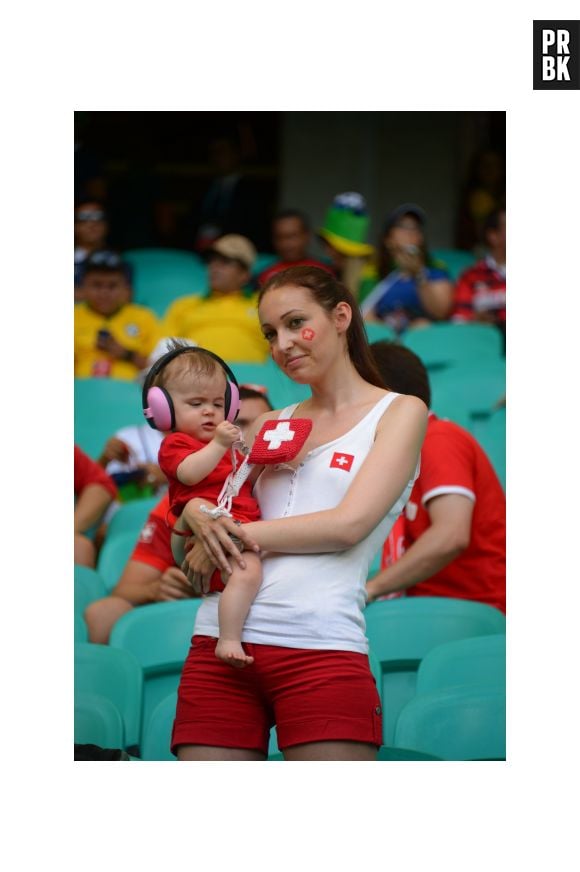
x: 346, y: 225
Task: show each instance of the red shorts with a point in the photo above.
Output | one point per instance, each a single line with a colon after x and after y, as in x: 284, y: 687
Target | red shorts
x: 311, y: 696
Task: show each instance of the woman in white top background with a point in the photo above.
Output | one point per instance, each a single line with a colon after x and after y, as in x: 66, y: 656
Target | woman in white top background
x: 324, y: 517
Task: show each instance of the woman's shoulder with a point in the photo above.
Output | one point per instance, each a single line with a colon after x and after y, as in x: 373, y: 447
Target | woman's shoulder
x: 404, y: 406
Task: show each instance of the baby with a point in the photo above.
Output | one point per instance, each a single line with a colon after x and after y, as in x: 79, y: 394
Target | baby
x: 195, y: 456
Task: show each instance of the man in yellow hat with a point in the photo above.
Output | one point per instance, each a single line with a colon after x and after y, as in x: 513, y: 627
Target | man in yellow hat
x: 226, y: 321
x: 343, y: 235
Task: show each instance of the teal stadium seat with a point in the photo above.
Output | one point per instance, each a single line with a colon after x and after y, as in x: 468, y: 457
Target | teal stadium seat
x: 157, y: 732
x: 89, y: 587
x: 158, y: 636
x: 130, y: 517
x: 398, y: 754
x: 490, y: 432
x: 98, y: 721
x: 116, y: 675
x: 282, y: 391
x: 402, y: 631
x: 457, y: 724
x: 101, y: 407
x: 455, y: 260
x: 475, y: 662
x: 447, y: 345
x: 81, y: 632
x: 379, y: 332
x: 262, y: 262
x: 114, y: 555
x: 468, y: 392
x: 162, y: 275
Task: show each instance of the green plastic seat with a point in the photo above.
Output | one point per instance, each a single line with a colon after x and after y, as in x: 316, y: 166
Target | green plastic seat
x: 157, y: 732
x: 263, y: 260
x: 455, y: 260
x: 89, y: 587
x: 445, y: 344
x: 468, y: 392
x: 101, y: 407
x: 114, y: 555
x: 394, y: 754
x: 116, y: 675
x: 158, y: 636
x: 81, y: 633
x: 98, y: 721
x: 265, y: 375
x: 130, y: 517
x: 490, y: 432
x: 162, y: 275
x: 476, y: 662
x: 402, y: 631
x: 457, y: 724
x: 379, y: 332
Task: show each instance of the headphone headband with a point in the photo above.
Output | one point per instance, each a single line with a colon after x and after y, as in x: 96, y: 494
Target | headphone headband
x: 151, y: 410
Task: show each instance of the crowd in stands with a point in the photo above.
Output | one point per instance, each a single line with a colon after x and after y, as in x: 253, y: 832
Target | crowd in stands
x: 449, y: 540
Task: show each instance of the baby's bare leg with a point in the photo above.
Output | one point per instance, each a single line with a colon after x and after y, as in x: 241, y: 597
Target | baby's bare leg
x: 234, y: 605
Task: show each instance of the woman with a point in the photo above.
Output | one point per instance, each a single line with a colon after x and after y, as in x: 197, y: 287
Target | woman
x: 414, y: 290
x: 305, y: 628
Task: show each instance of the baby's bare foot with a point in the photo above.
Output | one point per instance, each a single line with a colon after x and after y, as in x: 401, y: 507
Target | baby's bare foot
x: 232, y: 653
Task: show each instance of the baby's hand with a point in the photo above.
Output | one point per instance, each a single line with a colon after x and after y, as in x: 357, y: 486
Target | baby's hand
x: 227, y: 433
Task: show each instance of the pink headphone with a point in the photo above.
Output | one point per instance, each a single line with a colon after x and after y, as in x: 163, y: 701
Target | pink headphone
x: 157, y: 403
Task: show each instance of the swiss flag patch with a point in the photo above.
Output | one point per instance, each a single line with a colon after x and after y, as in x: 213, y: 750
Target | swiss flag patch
x: 342, y: 461
x: 280, y: 440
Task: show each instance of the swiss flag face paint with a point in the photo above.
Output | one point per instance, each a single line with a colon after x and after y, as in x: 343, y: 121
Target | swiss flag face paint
x: 308, y: 333
x: 342, y: 461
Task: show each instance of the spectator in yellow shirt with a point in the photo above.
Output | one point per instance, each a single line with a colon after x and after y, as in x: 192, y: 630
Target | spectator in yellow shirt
x: 226, y: 320
x: 113, y: 336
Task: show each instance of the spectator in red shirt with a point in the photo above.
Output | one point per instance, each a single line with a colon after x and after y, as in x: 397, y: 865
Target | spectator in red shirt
x: 94, y: 492
x: 150, y: 574
x: 291, y: 237
x: 450, y: 539
x: 480, y: 290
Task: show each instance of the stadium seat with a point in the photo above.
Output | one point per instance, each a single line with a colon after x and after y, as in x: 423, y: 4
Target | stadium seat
x: 162, y: 275
x: 466, y: 393
x: 81, y: 630
x: 114, y: 555
x: 262, y: 262
x: 394, y: 754
x: 402, y: 631
x: 446, y: 345
x: 475, y: 662
x: 457, y: 724
x: 490, y: 432
x: 101, y: 407
x: 88, y: 587
x: 157, y: 732
x: 455, y: 260
x: 116, y: 675
x: 262, y: 375
x: 98, y: 721
x: 379, y: 332
x: 130, y: 517
x: 158, y: 636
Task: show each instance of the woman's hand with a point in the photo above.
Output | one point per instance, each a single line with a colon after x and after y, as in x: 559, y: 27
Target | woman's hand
x: 214, y: 534
x: 198, y: 569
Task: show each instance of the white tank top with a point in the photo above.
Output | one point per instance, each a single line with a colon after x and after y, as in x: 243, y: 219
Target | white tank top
x: 314, y: 600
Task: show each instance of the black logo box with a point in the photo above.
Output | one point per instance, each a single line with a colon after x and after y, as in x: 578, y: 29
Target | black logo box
x: 572, y: 65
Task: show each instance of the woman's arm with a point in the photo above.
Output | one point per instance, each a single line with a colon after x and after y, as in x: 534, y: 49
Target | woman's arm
x: 377, y: 486
x: 90, y: 506
x: 436, y: 296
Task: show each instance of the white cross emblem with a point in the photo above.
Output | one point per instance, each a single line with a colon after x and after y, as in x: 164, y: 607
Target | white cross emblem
x: 281, y: 433
x: 342, y: 460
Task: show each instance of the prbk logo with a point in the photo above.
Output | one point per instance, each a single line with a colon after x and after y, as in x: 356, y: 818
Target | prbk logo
x: 556, y: 61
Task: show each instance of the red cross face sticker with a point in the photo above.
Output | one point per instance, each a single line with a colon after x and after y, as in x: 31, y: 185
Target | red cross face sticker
x: 308, y: 333
x: 342, y: 461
